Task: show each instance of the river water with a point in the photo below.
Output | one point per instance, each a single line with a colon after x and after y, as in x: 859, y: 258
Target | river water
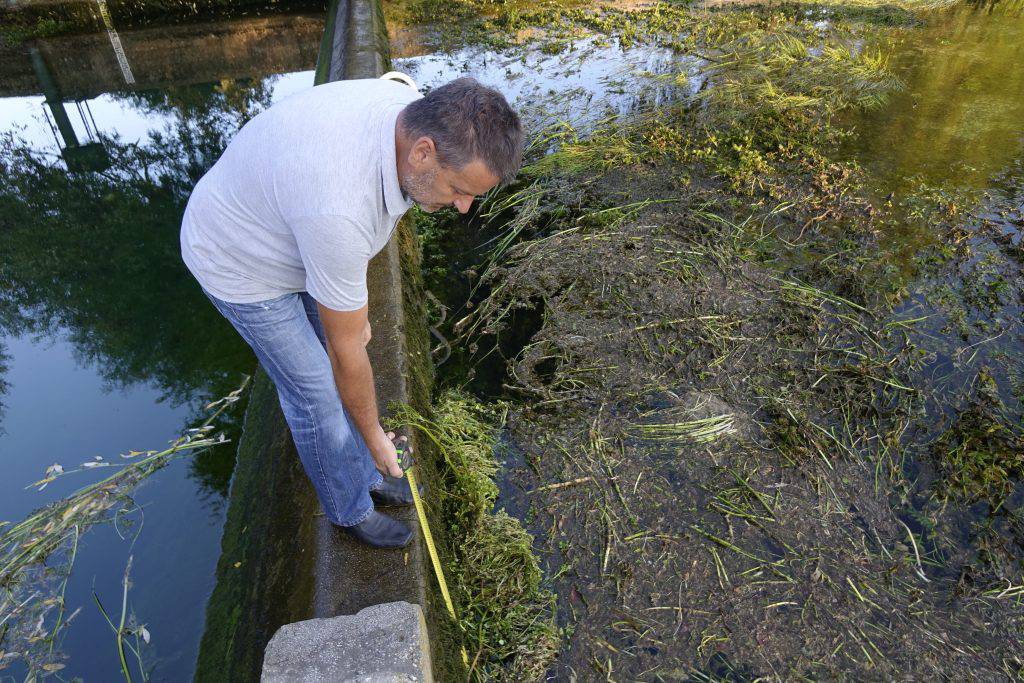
x: 106, y: 342
x: 955, y: 130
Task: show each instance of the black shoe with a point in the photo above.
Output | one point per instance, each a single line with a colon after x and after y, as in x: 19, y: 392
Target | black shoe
x: 394, y: 491
x: 381, y: 531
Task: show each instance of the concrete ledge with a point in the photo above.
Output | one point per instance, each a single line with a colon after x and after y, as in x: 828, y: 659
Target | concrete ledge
x: 380, y: 644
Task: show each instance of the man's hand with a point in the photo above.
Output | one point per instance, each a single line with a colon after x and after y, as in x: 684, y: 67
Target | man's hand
x: 385, y: 455
x: 347, y: 333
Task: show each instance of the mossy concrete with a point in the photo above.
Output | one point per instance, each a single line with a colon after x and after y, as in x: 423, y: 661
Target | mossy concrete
x: 265, y: 572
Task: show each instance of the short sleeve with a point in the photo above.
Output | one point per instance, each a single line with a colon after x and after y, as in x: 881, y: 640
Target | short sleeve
x: 335, y: 251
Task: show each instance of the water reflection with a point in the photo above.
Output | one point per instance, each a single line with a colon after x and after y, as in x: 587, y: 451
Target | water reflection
x: 586, y: 83
x: 107, y: 344
x: 959, y: 119
x: 94, y: 253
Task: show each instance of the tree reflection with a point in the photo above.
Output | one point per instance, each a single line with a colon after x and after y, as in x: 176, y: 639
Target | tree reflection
x: 94, y: 255
x: 958, y: 121
x: 5, y: 359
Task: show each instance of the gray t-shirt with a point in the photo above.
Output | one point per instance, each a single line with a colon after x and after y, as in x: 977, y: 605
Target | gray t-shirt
x: 303, y: 196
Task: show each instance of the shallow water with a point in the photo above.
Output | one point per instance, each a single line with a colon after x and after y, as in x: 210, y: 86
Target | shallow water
x: 953, y: 136
x: 955, y: 132
x: 107, y: 343
x: 958, y: 120
x: 587, y: 83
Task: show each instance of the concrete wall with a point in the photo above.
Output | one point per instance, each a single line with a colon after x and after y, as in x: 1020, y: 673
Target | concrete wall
x: 265, y: 575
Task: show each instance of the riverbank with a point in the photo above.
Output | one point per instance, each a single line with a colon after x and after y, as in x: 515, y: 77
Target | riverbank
x: 731, y: 439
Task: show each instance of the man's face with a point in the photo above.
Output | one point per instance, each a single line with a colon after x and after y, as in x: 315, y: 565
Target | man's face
x: 434, y: 186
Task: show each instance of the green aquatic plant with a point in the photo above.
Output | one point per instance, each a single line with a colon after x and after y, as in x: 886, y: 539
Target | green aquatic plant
x: 981, y: 454
x: 505, y: 611
x: 781, y: 503
x: 702, y: 430
x: 127, y: 627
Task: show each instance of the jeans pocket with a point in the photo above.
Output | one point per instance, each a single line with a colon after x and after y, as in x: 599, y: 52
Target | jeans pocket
x: 268, y: 311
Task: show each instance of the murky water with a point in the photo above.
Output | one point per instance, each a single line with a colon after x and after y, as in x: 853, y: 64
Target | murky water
x: 955, y: 133
x: 959, y: 119
x: 947, y: 152
x: 106, y: 342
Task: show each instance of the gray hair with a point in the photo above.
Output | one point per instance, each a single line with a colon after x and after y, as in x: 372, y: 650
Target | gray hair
x: 466, y: 121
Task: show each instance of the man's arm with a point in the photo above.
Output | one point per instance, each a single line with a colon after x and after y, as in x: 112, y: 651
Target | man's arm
x: 347, y: 334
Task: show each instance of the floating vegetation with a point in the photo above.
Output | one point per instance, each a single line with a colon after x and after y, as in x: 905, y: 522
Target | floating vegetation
x: 37, y: 554
x: 981, y: 455
x: 704, y: 430
x: 717, y: 252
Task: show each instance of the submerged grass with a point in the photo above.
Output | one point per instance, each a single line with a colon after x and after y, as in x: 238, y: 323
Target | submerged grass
x: 704, y: 430
x: 504, y: 609
x: 713, y: 252
x: 981, y: 455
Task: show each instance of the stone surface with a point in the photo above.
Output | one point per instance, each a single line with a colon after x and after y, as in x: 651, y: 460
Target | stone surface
x: 384, y: 643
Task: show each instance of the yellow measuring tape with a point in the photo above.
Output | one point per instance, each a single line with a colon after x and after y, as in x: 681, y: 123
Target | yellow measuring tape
x: 432, y: 549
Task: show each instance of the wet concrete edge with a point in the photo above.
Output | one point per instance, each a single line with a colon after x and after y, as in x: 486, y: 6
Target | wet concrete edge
x: 350, y: 575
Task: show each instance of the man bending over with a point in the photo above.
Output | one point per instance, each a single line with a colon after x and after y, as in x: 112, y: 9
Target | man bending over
x: 279, y: 233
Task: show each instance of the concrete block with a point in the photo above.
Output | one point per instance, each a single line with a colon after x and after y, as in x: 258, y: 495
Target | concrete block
x: 384, y: 643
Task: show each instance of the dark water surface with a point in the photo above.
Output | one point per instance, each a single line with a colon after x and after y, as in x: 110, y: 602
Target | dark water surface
x: 106, y: 342
x: 954, y: 138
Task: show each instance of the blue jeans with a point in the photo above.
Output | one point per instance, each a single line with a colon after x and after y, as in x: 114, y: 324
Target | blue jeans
x: 286, y: 334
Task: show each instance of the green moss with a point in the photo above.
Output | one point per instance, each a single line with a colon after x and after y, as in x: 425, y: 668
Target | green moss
x: 264, y: 575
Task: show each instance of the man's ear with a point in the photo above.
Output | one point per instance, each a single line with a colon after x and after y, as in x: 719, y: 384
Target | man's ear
x: 422, y: 151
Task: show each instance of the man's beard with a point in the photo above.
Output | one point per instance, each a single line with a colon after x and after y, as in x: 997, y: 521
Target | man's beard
x: 417, y: 187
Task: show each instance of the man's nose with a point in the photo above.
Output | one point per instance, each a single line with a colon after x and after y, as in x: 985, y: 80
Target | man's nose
x: 463, y: 204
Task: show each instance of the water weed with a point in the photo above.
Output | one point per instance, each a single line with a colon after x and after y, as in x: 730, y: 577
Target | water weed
x: 729, y: 440
x: 501, y: 598
x: 37, y: 554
